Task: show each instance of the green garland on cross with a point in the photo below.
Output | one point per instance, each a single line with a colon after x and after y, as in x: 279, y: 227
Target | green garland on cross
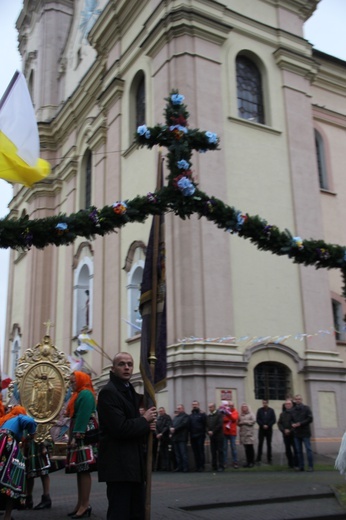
x: 180, y: 196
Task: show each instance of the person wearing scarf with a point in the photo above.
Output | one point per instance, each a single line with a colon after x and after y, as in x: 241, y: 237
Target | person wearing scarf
x: 12, y: 470
x: 81, y: 457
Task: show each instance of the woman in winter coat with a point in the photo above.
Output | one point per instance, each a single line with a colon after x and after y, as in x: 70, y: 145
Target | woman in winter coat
x: 247, y: 421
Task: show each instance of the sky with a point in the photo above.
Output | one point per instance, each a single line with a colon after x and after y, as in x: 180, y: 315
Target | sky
x: 324, y: 30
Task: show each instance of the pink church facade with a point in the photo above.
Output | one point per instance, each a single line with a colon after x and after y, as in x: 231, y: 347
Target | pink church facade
x: 241, y: 322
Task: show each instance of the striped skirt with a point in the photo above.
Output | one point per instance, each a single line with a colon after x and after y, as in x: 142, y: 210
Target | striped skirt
x: 12, y: 468
x: 81, y: 457
x: 38, y: 461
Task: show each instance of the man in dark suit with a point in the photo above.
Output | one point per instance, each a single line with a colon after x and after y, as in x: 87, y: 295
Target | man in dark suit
x: 121, y: 462
x: 265, y: 419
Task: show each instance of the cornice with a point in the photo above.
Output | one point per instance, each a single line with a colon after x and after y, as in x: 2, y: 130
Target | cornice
x: 184, y: 21
x: 34, y: 8
x: 77, y: 255
x: 68, y: 166
x: 303, y: 8
x: 323, y: 114
x: 295, y: 62
x: 279, y: 347
x: 49, y: 187
x: 105, y: 30
x: 47, y: 138
x: 98, y: 135
x: 111, y: 92
x: 331, y: 75
x: 114, y: 21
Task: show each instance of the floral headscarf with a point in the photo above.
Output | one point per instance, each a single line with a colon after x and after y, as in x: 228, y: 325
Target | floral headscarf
x: 83, y: 382
x: 16, y: 410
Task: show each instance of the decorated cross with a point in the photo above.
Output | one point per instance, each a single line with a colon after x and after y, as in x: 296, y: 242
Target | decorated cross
x: 180, y: 141
x: 181, y: 196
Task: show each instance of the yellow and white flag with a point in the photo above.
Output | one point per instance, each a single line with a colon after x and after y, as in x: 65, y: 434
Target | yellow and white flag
x: 19, y: 139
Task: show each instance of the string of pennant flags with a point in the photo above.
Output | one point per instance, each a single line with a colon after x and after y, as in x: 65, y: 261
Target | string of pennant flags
x: 86, y: 343
x: 257, y: 340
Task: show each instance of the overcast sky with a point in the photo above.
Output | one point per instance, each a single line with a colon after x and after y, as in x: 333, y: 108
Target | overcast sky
x: 325, y: 30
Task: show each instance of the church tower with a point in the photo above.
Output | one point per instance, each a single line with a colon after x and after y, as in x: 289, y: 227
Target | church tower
x: 43, y: 28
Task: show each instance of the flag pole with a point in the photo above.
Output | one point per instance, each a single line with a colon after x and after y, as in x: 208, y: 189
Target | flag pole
x: 152, y: 353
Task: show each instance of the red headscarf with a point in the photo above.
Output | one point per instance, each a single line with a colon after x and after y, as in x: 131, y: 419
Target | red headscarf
x: 83, y: 382
x: 16, y: 410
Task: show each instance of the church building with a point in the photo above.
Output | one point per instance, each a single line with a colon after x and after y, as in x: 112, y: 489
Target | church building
x: 242, y: 324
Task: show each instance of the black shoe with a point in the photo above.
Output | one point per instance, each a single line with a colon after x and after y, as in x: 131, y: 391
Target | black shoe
x: 28, y: 504
x: 86, y: 513
x: 45, y: 503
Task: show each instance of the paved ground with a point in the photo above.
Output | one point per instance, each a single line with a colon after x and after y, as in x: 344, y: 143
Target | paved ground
x: 263, y: 493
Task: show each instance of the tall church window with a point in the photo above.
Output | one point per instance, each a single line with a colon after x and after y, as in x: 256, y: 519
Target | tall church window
x: 137, y: 103
x: 321, y: 162
x: 15, y: 353
x: 86, y: 180
x: 134, y: 267
x: 134, y: 292
x: 31, y: 86
x: 140, y: 101
x: 339, y: 323
x: 82, y: 297
x: 249, y: 90
x: 272, y: 381
x: 16, y: 342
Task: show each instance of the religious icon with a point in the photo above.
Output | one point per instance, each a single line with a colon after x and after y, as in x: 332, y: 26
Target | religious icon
x: 42, y: 380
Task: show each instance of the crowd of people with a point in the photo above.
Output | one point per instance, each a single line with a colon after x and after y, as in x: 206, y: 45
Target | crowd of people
x: 221, y: 427
x: 116, y: 446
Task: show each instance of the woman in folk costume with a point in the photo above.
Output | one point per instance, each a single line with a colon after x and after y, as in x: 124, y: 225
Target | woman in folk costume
x: 40, y: 464
x: 12, y: 467
x: 81, y: 455
x: 246, y: 423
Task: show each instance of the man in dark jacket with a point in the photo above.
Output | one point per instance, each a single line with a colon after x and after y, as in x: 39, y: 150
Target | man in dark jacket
x: 265, y: 419
x: 161, y: 440
x: 301, y: 420
x: 215, y: 432
x: 198, y: 426
x: 121, y: 462
x: 285, y: 426
x: 180, y: 434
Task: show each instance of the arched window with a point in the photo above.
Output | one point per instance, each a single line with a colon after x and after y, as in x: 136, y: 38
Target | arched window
x: 339, y: 323
x: 137, y: 103
x: 31, y: 86
x: 321, y: 162
x: 16, y: 342
x: 86, y: 180
x: 249, y: 90
x: 82, y: 296
x: 134, y: 267
x: 272, y: 381
x: 140, y: 102
x: 134, y: 292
